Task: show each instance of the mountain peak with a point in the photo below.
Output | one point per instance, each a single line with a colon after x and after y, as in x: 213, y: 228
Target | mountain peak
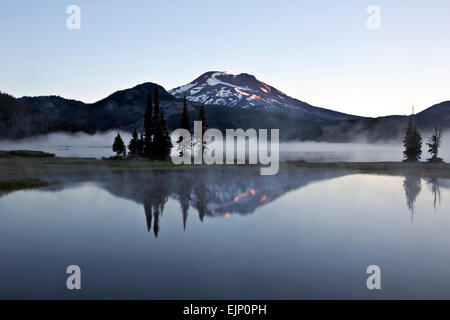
x: 246, y: 91
x: 223, y: 88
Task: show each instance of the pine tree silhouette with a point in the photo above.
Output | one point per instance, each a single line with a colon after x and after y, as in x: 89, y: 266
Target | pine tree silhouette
x: 412, y: 142
x: 133, y: 146
x: 184, y: 143
x: 185, y: 122
x: 433, y: 145
x: 140, y: 145
x: 156, y: 110
x: 166, y: 143
x: 202, y: 118
x: 161, y: 144
x: 118, y: 145
x: 148, y: 127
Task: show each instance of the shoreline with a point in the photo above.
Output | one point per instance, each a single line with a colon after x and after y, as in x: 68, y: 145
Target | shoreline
x: 29, y: 172
x: 11, y: 166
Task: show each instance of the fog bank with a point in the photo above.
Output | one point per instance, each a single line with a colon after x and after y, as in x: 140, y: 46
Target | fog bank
x: 100, y: 145
x: 69, y: 145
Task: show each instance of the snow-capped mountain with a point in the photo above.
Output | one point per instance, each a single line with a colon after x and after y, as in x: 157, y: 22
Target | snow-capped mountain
x: 245, y: 91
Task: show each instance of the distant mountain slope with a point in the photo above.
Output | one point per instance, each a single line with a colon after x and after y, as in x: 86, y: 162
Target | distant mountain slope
x: 438, y: 113
x: 232, y: 118
x: 18, y: 120
x: 124, y: 109
x: 58, y: 107
x: 389, y: 127
x: 118, y: 109
x: 245, y: 91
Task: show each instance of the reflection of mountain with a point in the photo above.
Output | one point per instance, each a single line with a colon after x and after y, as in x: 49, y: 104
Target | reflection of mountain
x: 217, y: 192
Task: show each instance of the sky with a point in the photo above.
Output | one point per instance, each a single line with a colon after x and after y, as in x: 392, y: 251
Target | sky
x: 321, y: 52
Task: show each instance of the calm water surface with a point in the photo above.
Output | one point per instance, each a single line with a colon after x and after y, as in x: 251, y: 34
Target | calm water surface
x: 227, y: 234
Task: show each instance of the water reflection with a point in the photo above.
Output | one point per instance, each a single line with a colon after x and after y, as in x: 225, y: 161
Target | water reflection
x: 311, y: 234
x: 211, y: 193
x: 433, y: 184
x: 218, y: 192
x: 413, y: 185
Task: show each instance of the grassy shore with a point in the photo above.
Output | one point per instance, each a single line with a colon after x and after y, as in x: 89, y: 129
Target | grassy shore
x: 14, y: 167
x: 25, y: 154
x: 19, y: 165
x: 23, y: 183
x: 423, y: 169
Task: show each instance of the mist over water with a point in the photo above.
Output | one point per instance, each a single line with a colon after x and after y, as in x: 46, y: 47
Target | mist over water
x: 356, y: 151
x: 100, y: 145
x: 69, y: 145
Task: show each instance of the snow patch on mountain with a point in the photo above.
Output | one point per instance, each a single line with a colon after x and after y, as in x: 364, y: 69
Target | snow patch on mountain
x: 213, y: 81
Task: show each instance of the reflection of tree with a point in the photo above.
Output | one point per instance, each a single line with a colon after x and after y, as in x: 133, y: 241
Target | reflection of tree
x: 412, y: 187
x: 201, y: 200
x: 184, y: 189
x: 213, y: 193
x: 156, y: 195
x: 433, y: 183
x: 148, y: 214
x: 156, y: 215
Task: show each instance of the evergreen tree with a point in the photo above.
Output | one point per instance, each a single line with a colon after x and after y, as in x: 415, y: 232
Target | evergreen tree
x: 433, y: 145
x: 148, y: 128
x: 166, y: 142
x: 202, y: 118
x: 140, y: 145
x: 118, y: 145
x: 162, y: 143
x: 133, y: 146
x: 156, y: 111
x: 157, y: 130
x: 184, y: 143
x: 185, y: 122
x: 412, y: 142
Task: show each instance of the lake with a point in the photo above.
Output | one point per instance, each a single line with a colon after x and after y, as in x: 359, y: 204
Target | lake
x: 227, y: 234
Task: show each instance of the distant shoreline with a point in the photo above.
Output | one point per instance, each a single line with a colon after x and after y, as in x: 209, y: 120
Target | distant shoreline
x: 26, y: 166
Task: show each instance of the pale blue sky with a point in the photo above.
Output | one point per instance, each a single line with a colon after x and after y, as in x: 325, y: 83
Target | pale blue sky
x: 318, y: 51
